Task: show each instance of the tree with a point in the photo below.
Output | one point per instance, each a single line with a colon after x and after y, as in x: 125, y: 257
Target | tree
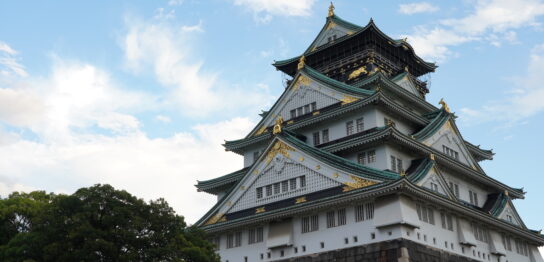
x: 97, y: 223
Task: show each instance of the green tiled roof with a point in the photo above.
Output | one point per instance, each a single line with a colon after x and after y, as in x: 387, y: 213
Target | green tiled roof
x: 234, y: 177
x: 434, y: 126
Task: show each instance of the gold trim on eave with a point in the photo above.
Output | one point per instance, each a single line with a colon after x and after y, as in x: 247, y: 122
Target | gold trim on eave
x: 301, y: 62
x: 278, y: 148
x: 259, y: 210
x: 277, y: 126
x: 300, y: 200
x: 348, y: 99
x: 357, y: 183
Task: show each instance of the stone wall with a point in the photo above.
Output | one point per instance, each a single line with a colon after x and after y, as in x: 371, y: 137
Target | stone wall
x: 387, y: 251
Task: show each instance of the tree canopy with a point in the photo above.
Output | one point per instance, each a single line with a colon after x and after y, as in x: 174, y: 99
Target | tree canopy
x: 98, y: 223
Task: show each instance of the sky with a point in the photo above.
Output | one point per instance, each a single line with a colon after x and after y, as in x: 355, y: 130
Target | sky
x: 141, y: 94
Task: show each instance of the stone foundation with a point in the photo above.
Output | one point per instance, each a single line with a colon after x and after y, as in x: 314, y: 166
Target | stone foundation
x: 400, y: 250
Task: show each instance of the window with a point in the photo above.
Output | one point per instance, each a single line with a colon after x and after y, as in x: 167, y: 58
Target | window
x: 396, y: 164
x: 479, y: 232
x: 305, y: 109
x: 425, y: 214
x: 434, y: 187
x: 269, y: 190
x: 285, y: 186
x: 349, y: 128
x: 325, y: 135
x: 361, y: 158
x: 331, y: 222
x: 360, y: 124
x: 259, y: 192
x: 341, y: 216
x: 450, y: 152
x: 255, y: 235
x: 316, y: 139
x: 230, y: 240
x: 473, y: 197
x: 238, y: 239
x: 310, y: 224
x: 256, y: 155
x: 447, y: 221
x: 364, y: 212
x: 302, y: 181
x: 371, y: 156
x: 292, y: 183
x: 506, y: 242
x: 216, y: 242
x: 276, y: 188
x: 521, y: 247
x: 454, y: 188
x: 509, y: 218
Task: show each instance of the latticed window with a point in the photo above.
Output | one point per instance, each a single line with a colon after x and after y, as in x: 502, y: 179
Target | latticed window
x: 314, y: 106
x: 455, y: 188
x: 259, y: 192
x: 307, y: 109
x: 473, y: 197
x: 360, y: 124
x: 284, y: 186
x: 434, y: 187
x: 293, y: 113
x: 255, y: 235
x: 341, y: 216
x: 293, y: 183
x: 361, y: 158
x: 269, y: 190
x: 506, y: 242
x: 364, y: 212
x: 310, y: 223
x: 238, y: 239
x: 276, y: 188
x: 396, y: 164
x: 230, y: 240
x: 349, y: 128
x: 450, y: 152
x: 447, y: 221
x: 331, y: 222
x: 425, y: 214
x: 316, y: 139
x: 325, y: 135
x: 371, y: 156
x: 302, y: 181
x: 216, y: 242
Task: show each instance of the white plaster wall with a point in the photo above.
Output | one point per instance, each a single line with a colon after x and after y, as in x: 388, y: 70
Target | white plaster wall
x: 465, y: 185
x: 381, y: 157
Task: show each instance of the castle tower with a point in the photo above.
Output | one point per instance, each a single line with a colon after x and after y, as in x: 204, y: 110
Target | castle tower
x: 351, y: 162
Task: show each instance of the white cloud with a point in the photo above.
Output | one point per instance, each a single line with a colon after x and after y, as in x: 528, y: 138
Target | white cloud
x: 493, y: 21
x: 523, y: 101
x: 9, y: 65
x: 148, y: 168
x: 164, y: 119
x: 264, y: 10
x: 167, y: 49
x: 415, y: 8
x: 175, y: 2
x: 193, y: 28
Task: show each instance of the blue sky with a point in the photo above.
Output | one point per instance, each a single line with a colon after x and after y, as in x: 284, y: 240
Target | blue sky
x: 140, y: 94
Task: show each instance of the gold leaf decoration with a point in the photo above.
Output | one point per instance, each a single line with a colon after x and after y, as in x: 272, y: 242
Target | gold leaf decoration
x: 278, y: 148
x: 357, y: 183
x: 302, y: 81
x: 357, y: 72
x: 261, y: 130
x: 217, y: 218
x: 300, y: 200
x: 259, y: 210
x: 348, y: 99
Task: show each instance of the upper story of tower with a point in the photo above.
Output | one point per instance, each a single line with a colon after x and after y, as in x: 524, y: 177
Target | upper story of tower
x: 349, y: 53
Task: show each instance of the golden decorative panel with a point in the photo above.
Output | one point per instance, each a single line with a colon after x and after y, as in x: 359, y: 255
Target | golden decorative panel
x: 315, y: 113
x: 300, y: 200
x: 357, y: 183
x: 302, y: 81
x: 357, y: 72
x: 261, y: 130
x: 331, y: 25
x: 259, y: 210
x: 335, y: 175
x: 348, y: 99
x: 278, y: 148
x: 217, y: 218
x: 277, y: 126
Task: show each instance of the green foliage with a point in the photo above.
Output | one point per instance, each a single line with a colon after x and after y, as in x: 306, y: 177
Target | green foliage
x: 97, y: 223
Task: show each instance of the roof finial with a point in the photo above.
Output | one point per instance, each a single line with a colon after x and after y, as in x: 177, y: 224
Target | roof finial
x: 301, y: 62
x: 331, y: 10
x: 402, y: 173
x: 444, y: 105
x: 506, y: 192
x: 277, y: 126
x: 431, y: 156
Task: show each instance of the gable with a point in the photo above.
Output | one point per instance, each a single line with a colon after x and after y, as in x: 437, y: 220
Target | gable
x: 301, y: 94
x: 407, y: 84
x: 510, y: 215
x: 448, y: 141
x: 331, y: 32
x: 434, y: 181
x: 283, y: 162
